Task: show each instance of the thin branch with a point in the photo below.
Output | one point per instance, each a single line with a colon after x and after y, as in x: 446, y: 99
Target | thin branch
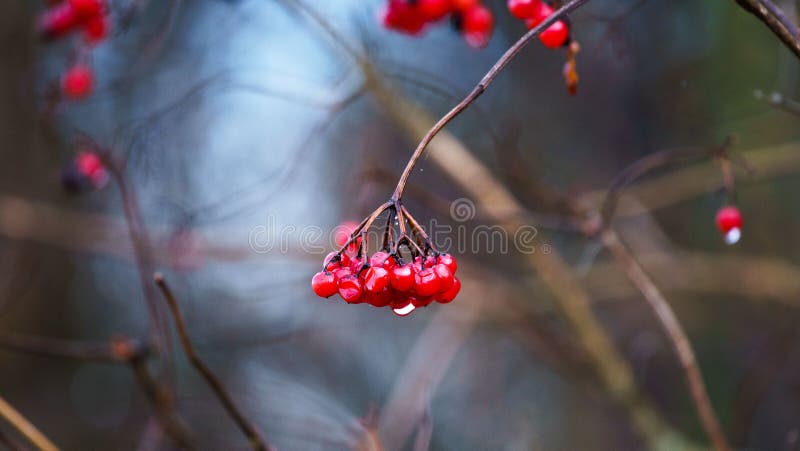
x: 775, y: 19
x: 119, y: 350
x: 252, y: 434
x: 25, y: 427
x: 480, y: 88
x: 676, y: 334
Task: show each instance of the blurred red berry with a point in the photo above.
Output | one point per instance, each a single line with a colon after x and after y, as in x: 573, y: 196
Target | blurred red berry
x: 729, y: 218
x: 464, y: 5
x: 523, y: 9
x: 57, y: 21
x: 77, y: 82
x: 433, y: 10
x: 87, y: 8
x: 555, y: 35
x: 96, y: 29
x: 401, y: 15
x: 477, y: 20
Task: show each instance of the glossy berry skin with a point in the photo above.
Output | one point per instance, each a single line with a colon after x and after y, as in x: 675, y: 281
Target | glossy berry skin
x: 523, y: 9
x: 464, y: 5
x: 350, y: 289
x: 342, y: 273
x: 729, y: 218
x: 555, y: 35
x: 88, y: 163
x: 324, y: 284
x: 382, y: 259
x: 376, y: 279
x: 420, y: 301
x: 402, y: 278
x: 381, y: 298
x: 426, y: 282
x: 433, y: 10
x: 449, y: 261
x: 403, y: 16
x: 449, y: 295
x: 444, y: 275
x: 77, y: 82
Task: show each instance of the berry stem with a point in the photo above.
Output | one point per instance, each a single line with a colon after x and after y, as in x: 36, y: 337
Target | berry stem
x: 479, y: 89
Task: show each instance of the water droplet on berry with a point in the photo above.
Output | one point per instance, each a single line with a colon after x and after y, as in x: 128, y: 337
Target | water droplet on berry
x: 733, y: 236
x: 404, y: 311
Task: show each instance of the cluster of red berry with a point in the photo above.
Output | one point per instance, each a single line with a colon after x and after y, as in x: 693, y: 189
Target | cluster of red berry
x: 91, y: 18
x: 729, y: 223
x: 382, y: 280
x: 471, y: 18
x: 534, y: 12
x: 85, y: 171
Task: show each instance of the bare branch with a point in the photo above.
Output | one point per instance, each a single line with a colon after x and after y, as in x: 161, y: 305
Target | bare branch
x: 25, y: 427
x: 775, y: 19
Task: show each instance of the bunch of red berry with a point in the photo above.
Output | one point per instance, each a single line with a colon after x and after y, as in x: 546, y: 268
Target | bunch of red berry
x: 84, y: 172
x: 91, y: 18
x: 729, y: 223
x: 405, y: 274
x: 534, y: 12
x: 471, y: 18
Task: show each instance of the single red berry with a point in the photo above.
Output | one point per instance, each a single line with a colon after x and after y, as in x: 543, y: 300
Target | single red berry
x: 87, y: 8
x: 555, y: 35
x: 403, y: 16
x: 382, y: 259
x: 350, y: 289
x: 324, y: 284
x: 420, y: 301
x: 543, y: 11
x: 57, y: 21
x: 376, y: 279
x: 402, y: 278
x: 450, y: 294
x: 332, y: 261
x: 88, y: 163
x: 426, y: 282
x: 343, y: 231
x: 96, y: 29
x: 77, y: 82
x: 477, y: 20
x: 523, y: 9
x: 381, y: 298
x: 433, y: 10
x: 445, y: 277
x: 728, y: 218
x: 449, y: 261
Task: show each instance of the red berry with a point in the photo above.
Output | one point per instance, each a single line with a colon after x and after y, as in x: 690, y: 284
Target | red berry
x: 449, y: 261
x: 523, y: 9
x: 88, y: 163
x: 477, y: 20
x: 420, y: 301
x: 77, y: 82
x: 555, y: 35
x: 96, y: 29
x: 343, y: 231
x: 402, y: 278
x: 729, y: 218
x: 87, y: 8
x: 381, y: 298
x: 350, y: 289
x: 341, y: 273
x: 382, y: 259
x: 426, y: 282
x: 463, y: 5
x: 324, y: 284
x: 376, y: 279
x: 543, y: 11
x: 58, y: 21
x: 433, y: 10
x: 450, y: 294
x: 445, y: 277
x: 403, y: 16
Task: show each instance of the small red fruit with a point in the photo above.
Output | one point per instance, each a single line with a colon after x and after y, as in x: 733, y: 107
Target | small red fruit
x: 77, y: 82
x: 324, y: 284
x: 350, y: 289
x: 96, y: 29
x: 449, y: 261
x: 523, y: 9
x: 450, y: 294
x: 341, y: 273
x: 87, y: 8
x: 555, y: 36
x: 402, y: 278
x: 420, y: 301
x: 445, y: 277
x: 433, y: 10
x: 376, y: 279
x: 426, y: 282
x: 728, y: 218
x: 463, y: 5
x: 57, y: 21
x: 477, y: 20
x: 403, y: 16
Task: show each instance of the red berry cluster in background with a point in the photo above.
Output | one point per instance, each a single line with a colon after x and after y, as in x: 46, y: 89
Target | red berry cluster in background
x: 534, y: 12
x: 471, y: 18
x: 91, y: 19
x: 729, y: 223
x: 84, y: 172
x: 382, y: 280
